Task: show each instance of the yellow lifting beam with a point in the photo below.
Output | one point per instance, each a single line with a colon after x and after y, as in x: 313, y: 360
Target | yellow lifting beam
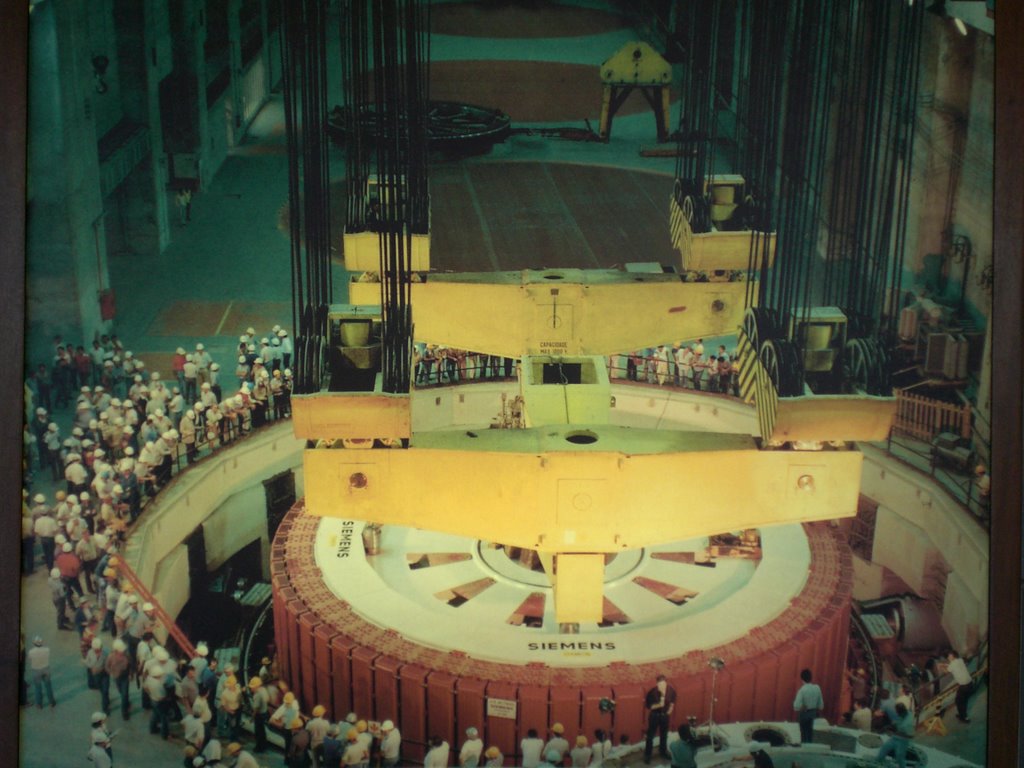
x: 581, y: 490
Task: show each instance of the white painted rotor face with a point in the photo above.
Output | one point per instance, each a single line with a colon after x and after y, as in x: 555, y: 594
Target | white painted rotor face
x: 496, y: 603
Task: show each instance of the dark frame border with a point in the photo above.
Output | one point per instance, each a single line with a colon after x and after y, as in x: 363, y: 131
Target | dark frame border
x: 13, y: 97
x: 1006, y: 590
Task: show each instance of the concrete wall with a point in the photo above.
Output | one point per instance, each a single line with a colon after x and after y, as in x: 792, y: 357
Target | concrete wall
x: 65, y: 271
x: 914, y: 524
x: 223, y: 493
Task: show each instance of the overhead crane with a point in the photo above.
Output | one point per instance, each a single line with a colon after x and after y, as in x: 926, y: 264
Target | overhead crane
x: 568, y: 485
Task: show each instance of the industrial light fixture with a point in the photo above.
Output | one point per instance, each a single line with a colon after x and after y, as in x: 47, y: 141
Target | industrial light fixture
x: 960, y: 25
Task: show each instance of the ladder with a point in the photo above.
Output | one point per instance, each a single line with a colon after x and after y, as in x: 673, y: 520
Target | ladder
x: 118, y: 563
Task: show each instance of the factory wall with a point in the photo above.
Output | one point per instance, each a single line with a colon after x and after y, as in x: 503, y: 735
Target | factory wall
x: 64, y: 228
x: 82, y: 206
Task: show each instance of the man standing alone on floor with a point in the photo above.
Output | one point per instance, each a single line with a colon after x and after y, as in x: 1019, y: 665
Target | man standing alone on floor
x: 39, y: 666
x: 808, y: 703
x: 659, y: 701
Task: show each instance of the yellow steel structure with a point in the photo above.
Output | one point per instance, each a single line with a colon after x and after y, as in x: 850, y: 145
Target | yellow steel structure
x: 362, y: 252
x: 714, y: 250
x: 570, y: 312
x: 572, y: 487
x: 578, y: 585
x: 352, y: 415
x: 814, y: 418
x: 635, y: 66
x: 581, y: 489
x: 550, y: 398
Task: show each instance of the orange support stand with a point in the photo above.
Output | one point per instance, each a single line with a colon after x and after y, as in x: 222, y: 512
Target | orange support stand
x: 143, y: 592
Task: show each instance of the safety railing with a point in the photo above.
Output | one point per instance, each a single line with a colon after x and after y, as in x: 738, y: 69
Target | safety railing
x: 924, y: 417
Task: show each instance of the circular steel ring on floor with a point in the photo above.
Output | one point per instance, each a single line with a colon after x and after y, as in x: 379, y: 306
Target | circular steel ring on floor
x: 331, y: 654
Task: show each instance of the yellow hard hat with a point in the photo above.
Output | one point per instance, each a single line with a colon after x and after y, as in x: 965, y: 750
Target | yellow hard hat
x: 558, y: 728
x: 492, y: 752
x: 319, y: 710
x: 255, y: 683
x: 289, y: 697
x: 361, y: 726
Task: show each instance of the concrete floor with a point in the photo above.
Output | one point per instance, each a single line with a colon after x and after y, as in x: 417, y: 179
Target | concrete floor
x: 229, y: 268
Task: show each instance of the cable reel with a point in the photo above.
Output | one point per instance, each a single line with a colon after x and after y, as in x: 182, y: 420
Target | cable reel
x: 866, y: 366
x: 781, y: 361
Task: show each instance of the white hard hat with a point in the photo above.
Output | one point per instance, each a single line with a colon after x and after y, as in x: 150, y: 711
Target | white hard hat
x: 264, y: 340
x: 129, y: 451
x: 202, y: 649
x: 128, y: 354
x: 115, y: 402
x: 39, y: 498
x: 40, y: 411
x: 241, y: 358
x: 282, y: 333
x: 97, y: 643
x: 179, y: 351
x: 188, y: 357
x: 154, y: 376
x: 200, y: 347
x: 67, y: 547
x: 119, y: 645
x: 52, y: 426
x: 98, y: 716
x: 214, y: 366
x: 55, y: 573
